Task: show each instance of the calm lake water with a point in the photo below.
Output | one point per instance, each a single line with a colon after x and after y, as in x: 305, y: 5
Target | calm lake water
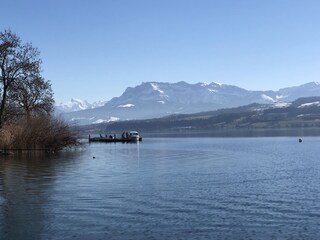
x: 174, y: 188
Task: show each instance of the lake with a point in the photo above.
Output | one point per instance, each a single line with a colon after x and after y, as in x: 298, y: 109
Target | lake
x: 165, y: 188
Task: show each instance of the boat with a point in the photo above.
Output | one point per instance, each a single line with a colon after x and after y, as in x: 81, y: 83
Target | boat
x: 134, y: 136
x: 127, y: 137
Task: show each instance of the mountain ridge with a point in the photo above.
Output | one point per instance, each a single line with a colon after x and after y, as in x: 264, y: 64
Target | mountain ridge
x: 158, y: 99
x: 301, y: 116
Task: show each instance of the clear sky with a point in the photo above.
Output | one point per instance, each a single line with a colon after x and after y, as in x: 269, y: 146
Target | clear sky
x: 95, y: 49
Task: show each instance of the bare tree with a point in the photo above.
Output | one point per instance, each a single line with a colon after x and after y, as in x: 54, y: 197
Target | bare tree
x: 26, y: 99
x: 16, y: 59
x: 33, y: 95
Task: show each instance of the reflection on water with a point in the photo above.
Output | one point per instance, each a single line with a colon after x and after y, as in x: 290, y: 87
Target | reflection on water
x: 26, y: 183
x: 194, y: 188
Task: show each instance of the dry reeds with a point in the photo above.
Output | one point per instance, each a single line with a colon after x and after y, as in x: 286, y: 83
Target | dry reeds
x: 36, y: 133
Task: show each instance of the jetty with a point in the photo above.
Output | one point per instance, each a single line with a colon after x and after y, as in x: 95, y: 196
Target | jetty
x: 127, y: 137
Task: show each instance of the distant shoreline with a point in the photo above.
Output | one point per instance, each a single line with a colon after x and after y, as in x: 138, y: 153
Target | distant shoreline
x: 270, y: 132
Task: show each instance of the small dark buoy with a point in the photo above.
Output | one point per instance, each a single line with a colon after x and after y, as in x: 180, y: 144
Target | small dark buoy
x: 93, y: 157
x: 300, y: 140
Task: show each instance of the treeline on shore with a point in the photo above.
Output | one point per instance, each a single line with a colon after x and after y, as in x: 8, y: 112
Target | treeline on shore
x: 26, y: 100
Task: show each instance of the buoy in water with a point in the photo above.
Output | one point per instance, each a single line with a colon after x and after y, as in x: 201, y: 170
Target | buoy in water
x: 300, y: 140
x: 93, y: 157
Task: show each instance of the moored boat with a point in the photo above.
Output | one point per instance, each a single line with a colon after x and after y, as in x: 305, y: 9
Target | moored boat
x: 134, y: 136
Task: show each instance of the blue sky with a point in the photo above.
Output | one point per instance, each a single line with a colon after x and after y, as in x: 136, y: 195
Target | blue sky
x: 95, y: 49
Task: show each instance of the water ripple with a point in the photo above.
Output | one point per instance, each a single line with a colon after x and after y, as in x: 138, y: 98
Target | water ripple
x: 165, y: 189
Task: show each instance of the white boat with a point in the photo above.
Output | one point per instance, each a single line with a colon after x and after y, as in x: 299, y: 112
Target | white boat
x: 134, y: 136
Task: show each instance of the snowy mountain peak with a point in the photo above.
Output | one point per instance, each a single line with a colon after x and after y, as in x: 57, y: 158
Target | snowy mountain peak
x: 216, y: 84
x: 204, y: 84
x: 76, y: 104
x: 73, y: 105
x: 156, y: 87
x: 267, y: 98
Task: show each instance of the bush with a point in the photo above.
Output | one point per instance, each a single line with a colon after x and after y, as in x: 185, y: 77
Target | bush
x: 43, y: 132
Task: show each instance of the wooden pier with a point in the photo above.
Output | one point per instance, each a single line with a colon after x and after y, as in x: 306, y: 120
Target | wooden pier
x: 114, y: 140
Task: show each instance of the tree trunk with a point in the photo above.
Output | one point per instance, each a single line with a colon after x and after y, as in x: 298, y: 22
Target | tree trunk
x: 3, y: 104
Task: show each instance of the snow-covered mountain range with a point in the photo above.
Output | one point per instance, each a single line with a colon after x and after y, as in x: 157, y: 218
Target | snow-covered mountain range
x: 77, y: 105
x: 157, y: 99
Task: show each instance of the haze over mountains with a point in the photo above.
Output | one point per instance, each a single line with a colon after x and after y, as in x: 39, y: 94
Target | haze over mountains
x: 158, y: 99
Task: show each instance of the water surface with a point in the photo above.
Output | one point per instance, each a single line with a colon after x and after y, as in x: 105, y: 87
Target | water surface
x: 174, y: 188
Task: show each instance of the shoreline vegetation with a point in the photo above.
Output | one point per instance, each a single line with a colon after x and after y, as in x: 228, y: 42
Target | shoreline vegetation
x: 44, y: 133
x: 26, y: 101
